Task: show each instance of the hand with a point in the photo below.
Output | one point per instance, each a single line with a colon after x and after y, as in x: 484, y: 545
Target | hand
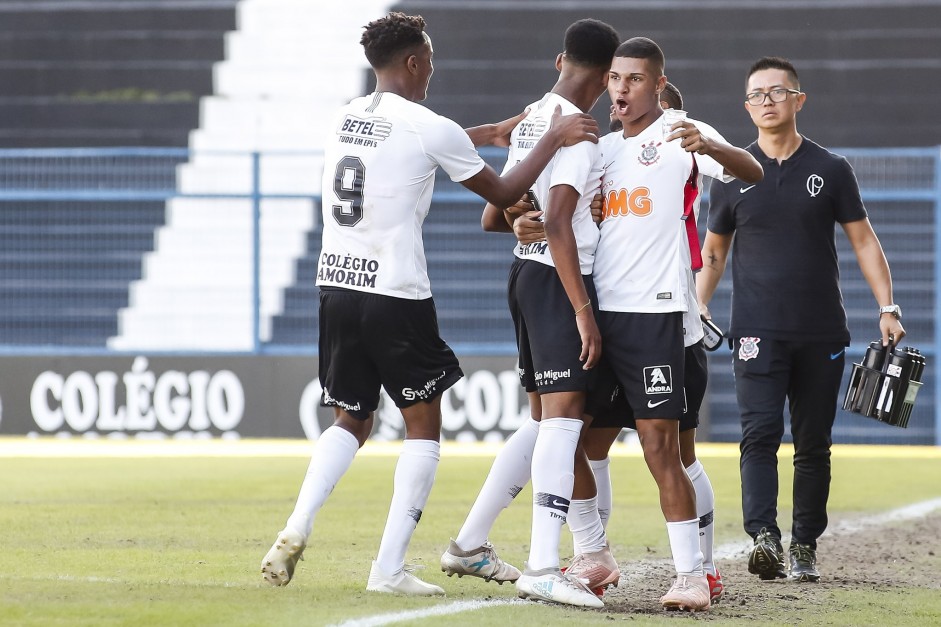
x: 528, y: 228
x: 591, y: 338
x: 704, y: 311
x: 891, y: 328
x: 597, y: 208
x: 574, y: 128
x: 504, y: 128
x: 691, y: 139
x: 523, y: 205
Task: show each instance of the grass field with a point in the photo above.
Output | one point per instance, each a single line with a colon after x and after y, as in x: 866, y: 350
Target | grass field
x: 133, y: 534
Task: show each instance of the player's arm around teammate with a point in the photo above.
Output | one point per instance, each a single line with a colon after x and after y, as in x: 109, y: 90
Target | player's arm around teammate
x: 496, y: 134
x: 506, y: 190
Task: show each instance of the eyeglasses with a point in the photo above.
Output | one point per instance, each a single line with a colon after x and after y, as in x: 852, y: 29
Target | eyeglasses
x: 757, y: 98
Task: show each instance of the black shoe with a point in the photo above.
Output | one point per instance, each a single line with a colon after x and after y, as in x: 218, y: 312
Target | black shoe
x: 803, y: 563
x: 767, y: 557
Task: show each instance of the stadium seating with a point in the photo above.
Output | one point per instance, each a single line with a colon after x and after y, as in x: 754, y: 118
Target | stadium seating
x: 107, y: 72
x: 870, y: 70
x: 92, y: 74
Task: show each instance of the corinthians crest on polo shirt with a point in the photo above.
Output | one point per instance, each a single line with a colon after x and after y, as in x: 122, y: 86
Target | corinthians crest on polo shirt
x: 748, y: 348
x: 649, y: 154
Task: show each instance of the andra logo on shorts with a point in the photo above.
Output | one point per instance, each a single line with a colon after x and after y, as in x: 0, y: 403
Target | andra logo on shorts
x: 658, y: 379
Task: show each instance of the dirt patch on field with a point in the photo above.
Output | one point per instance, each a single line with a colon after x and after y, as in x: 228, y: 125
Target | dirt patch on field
x: 894, y: 556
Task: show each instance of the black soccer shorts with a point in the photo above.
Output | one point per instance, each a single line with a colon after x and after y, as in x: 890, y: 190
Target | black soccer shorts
x: 371, y: 340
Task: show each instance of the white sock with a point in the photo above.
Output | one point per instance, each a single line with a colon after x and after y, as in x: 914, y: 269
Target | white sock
x: 414, y: 476
x: 602, y: 471
x: 684, y: 542
x: 585, y: 525
x: 705, y: 505
x: 553, y: 479
x: 508, y: 475
x: 332, y: 456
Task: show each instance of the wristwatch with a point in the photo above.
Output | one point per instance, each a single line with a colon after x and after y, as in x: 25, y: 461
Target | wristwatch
x: 895, y: 310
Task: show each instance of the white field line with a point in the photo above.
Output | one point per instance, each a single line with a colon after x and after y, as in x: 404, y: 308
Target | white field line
x: 729, y: 550
x: 439, y: 610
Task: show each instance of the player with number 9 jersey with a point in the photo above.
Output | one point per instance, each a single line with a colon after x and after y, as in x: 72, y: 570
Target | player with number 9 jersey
x: 379, y: 175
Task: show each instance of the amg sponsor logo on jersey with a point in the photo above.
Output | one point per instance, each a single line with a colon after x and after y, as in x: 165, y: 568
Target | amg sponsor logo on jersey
x: 426, y: 391
x: 329, y: 400
x: 360, y: 132
x: 658, y: 379
x: 347, y: 270
x: 551, y: 376
x: 536, y: 248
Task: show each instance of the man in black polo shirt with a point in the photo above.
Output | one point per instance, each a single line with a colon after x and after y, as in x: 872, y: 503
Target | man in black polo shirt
x: 788, y: 322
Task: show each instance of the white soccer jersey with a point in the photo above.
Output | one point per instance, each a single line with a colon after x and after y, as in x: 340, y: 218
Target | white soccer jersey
x: 577, y: 166
x: 640, y: 265
x: 379, y: 174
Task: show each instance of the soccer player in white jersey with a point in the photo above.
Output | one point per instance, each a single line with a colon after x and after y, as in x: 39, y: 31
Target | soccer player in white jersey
x: 640, y: 275
x: 377, y: 320
x: 551, y: 297
x: 589, y: 512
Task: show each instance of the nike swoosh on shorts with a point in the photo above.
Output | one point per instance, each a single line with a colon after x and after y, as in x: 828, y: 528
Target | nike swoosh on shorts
x: 651, y: 404
x: 742, y: 190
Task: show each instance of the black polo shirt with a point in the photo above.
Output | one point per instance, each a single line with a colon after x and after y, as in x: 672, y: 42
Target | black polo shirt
x: 785, y: 274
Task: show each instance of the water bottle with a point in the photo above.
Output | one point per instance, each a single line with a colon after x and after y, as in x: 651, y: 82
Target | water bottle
x: 875, y: 356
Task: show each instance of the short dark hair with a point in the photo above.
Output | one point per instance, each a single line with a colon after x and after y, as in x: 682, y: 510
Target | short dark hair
x: 386, y: 38
x: 591, y: 43
x: 774, y: 63
x: 642, y: 48
x: 672, y: 95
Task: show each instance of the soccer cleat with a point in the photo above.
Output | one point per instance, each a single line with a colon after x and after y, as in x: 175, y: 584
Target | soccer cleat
x: 715, y: 587
x: 803, y: 563
x: 550, y: 584
x: 767, y: 557
x: 597, y: 570
x: 480, y: 562
x: 688, y: 593
x: 402, y: 583
x: 278, y: 566
x: 599, y: 592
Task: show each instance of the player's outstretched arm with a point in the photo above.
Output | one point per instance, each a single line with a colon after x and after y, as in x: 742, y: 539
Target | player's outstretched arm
x: 737, y: 162
x: 506, y: 190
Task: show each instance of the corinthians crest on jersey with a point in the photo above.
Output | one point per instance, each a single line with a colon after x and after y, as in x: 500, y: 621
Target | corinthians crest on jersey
x: 649, y: 154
